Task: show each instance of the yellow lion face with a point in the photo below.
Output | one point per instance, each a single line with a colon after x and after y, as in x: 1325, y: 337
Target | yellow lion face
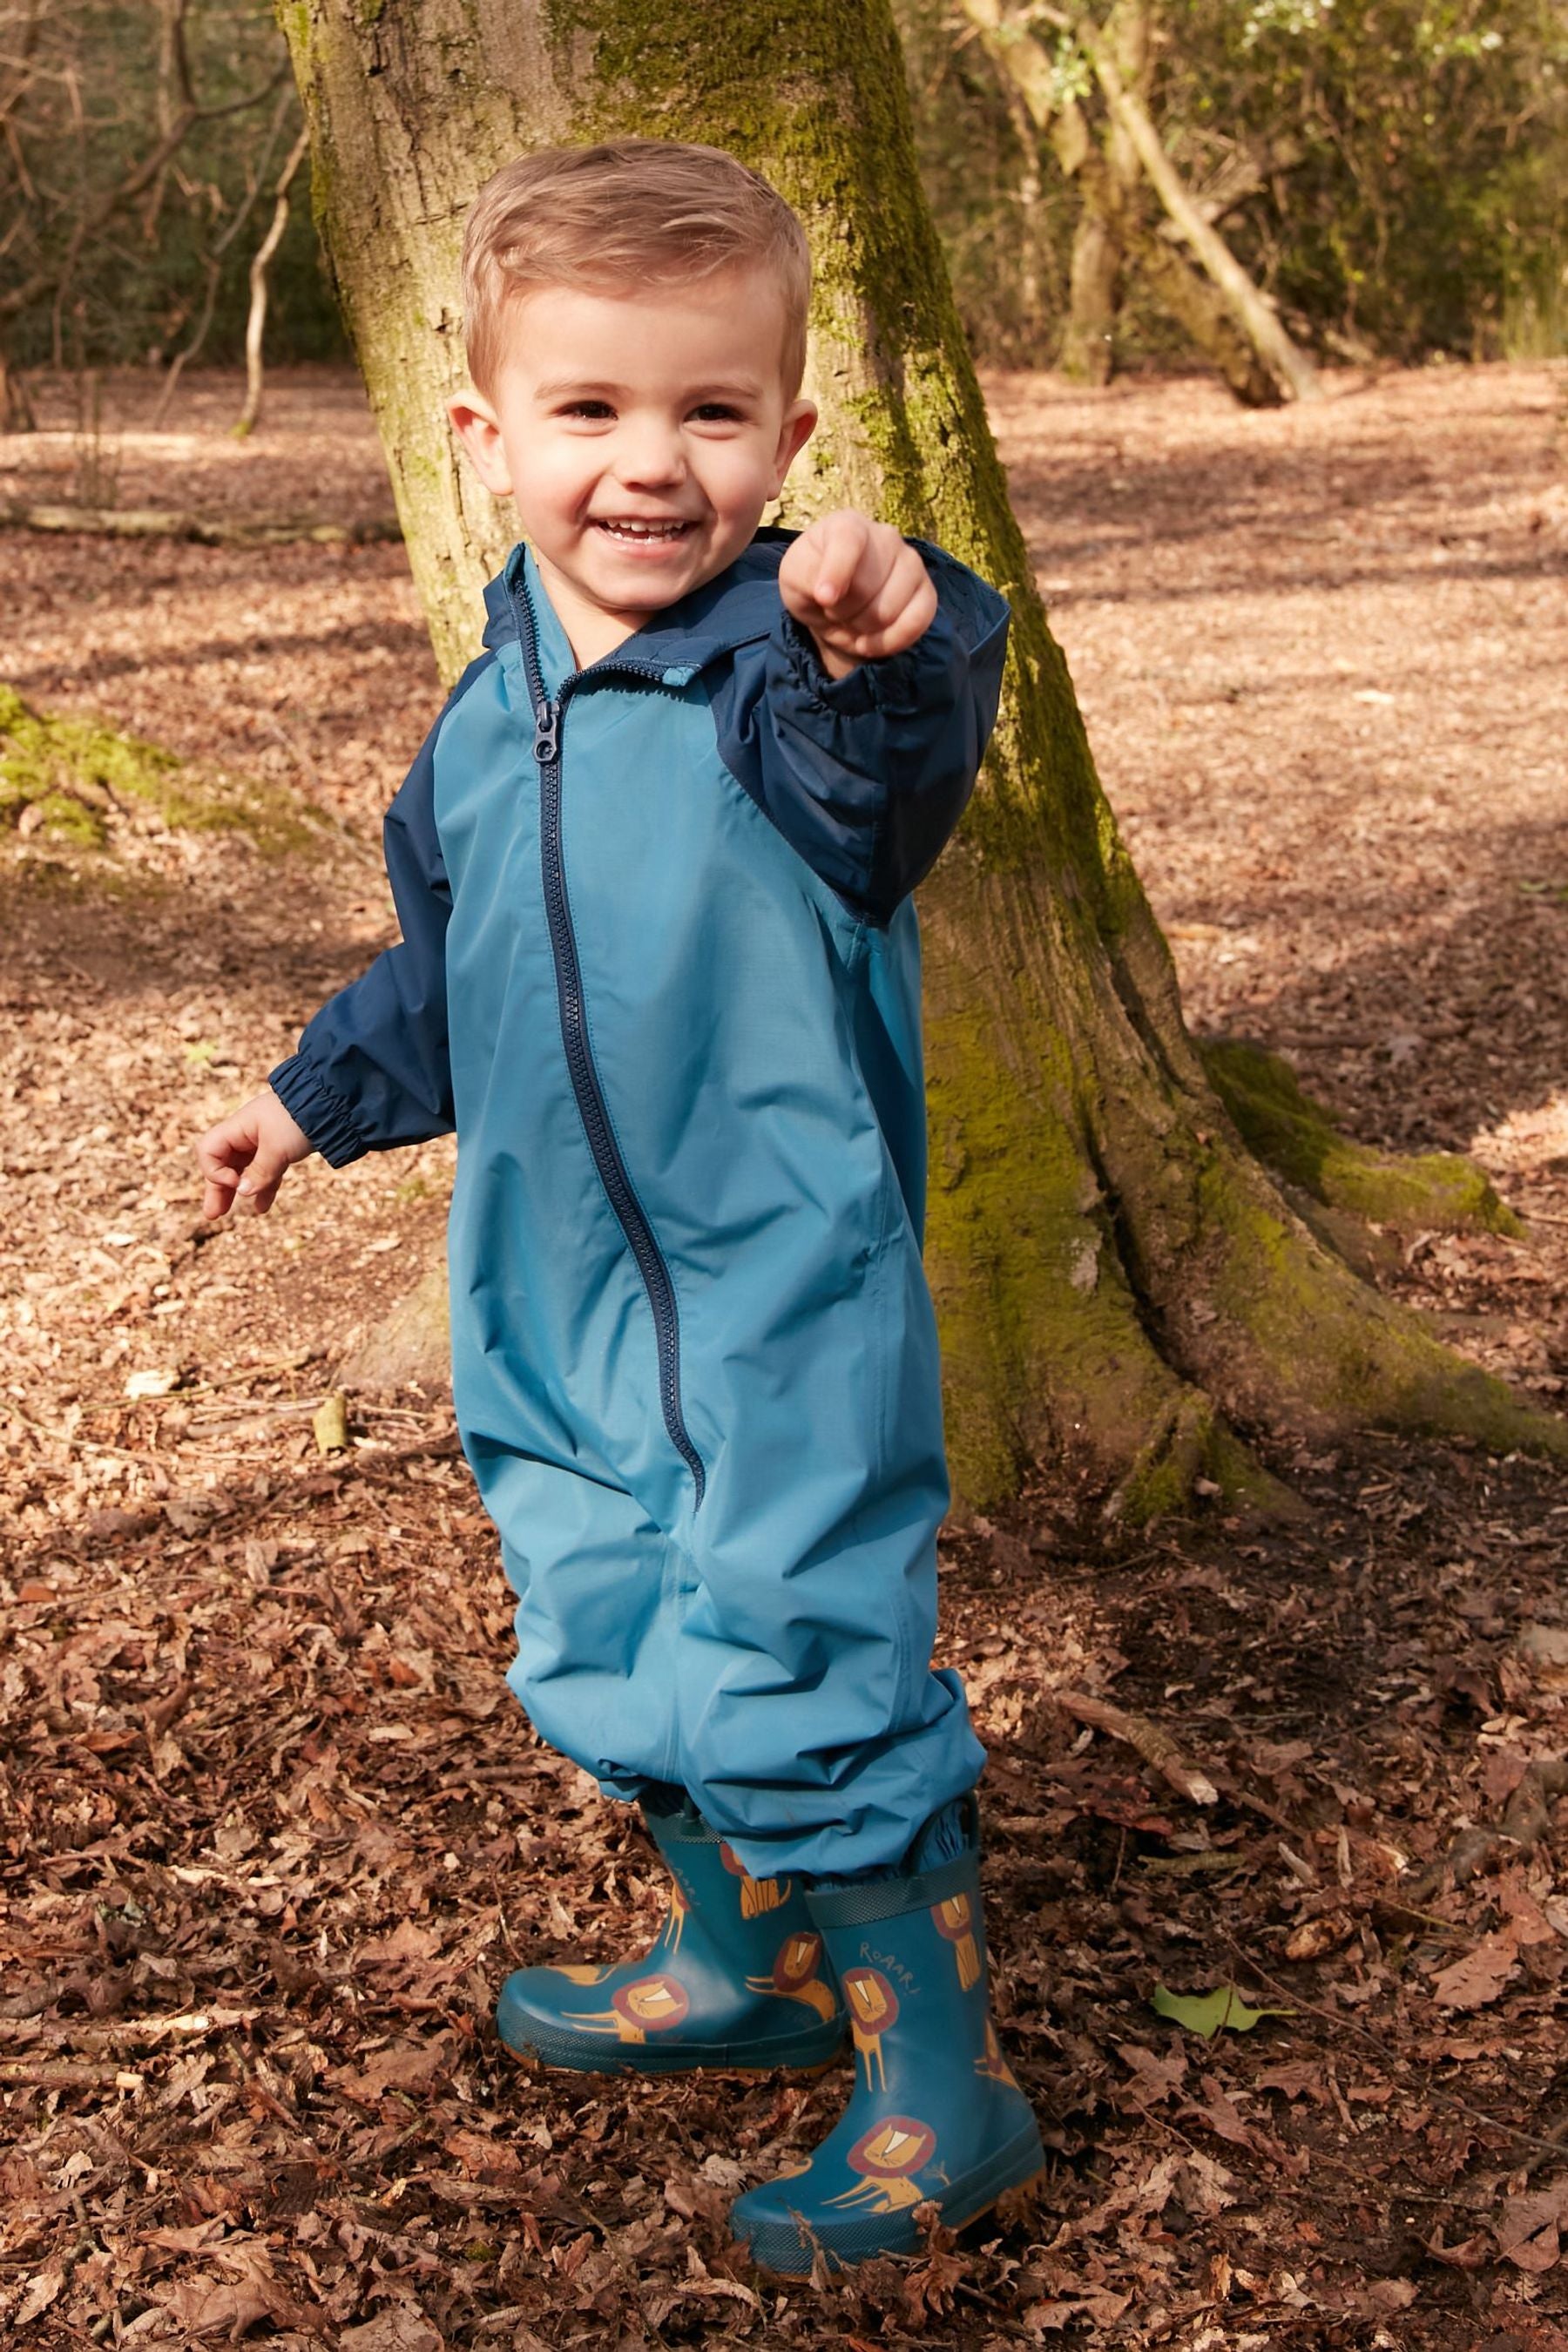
x: 873, y: 2003
x: 893, y: 2148
x: 796, y: 1963
x: 652, y: 2002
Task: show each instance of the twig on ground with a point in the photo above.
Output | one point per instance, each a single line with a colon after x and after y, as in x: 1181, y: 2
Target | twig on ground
x: 132, y: 2032
x: 81, y: 1444
x: 56, y: 2073
x: 1154, y: 1744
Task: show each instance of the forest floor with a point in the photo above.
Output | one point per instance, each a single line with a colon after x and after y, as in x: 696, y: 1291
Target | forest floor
x: 273, y: 1829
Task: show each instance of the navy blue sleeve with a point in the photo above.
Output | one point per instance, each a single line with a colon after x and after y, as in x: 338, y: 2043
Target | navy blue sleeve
x: 866, y: 776
x: 372, y: 1069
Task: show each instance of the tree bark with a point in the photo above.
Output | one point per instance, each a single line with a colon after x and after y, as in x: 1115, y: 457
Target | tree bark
x: 1200, y: 309
x: 1029, y: 198
x: 1088, y: 342
x: 16, y: 408
x: 1100, y: 250
x: 1117, y: 1276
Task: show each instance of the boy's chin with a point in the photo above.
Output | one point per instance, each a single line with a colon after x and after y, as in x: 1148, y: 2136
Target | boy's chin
x: 642, y: 586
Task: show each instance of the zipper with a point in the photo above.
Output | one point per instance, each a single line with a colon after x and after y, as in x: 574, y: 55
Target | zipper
x: 585, y: 1086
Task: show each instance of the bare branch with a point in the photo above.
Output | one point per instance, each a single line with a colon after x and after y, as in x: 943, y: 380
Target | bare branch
x: 255, y: 324
x: 46, y: 279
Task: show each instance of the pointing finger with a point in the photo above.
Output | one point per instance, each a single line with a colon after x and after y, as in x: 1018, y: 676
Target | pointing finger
x: 842, y: 541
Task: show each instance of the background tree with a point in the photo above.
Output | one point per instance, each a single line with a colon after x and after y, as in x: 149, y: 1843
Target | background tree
x: 1394, y: 174
x: 261, y: 265
x: 1123, y: 176
x: 1426, y: 203
x: 1117, y: 1275
x: 133, y: 145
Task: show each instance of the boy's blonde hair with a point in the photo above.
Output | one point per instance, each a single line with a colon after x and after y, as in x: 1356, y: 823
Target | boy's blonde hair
x: 626, y: 215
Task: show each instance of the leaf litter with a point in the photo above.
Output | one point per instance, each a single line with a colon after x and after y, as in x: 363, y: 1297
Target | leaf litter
x: 272, y: 1830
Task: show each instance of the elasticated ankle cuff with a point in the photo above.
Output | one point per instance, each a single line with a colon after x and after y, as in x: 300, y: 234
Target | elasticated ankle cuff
x: 951, y: 1836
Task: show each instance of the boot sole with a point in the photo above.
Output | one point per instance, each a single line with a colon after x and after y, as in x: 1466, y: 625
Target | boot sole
x: 567, y: 2055
x: 787, y: 2249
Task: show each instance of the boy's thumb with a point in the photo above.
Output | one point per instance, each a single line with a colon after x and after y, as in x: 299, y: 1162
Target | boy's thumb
x: 265, y: 1173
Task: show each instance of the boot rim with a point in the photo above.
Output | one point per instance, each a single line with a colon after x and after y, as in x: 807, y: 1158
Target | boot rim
x: 891, y: 1898
x: 679, y: 1829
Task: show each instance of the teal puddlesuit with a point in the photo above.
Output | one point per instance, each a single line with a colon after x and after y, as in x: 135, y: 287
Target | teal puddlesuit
x: 660, y: 970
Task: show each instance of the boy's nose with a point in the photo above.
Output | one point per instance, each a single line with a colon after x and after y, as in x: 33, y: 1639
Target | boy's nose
x: 650, y: 458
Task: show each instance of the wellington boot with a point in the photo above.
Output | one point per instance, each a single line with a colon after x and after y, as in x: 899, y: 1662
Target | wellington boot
x: 734, y: 1980
x: 936, y: 2115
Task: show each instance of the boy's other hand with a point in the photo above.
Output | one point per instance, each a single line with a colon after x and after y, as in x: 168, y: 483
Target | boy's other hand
x: 246, y: 1156
x: 859, y: 586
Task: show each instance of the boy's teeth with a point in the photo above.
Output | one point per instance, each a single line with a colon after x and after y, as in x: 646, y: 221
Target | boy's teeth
x: 645, y: 529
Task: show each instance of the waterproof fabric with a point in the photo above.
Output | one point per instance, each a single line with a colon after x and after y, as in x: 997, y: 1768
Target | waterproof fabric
x: 733, y: 1980
x: 936, y: 2114
x: 659, y: 969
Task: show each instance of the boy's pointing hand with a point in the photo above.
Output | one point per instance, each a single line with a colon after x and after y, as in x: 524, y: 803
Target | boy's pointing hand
x: 859, y: 586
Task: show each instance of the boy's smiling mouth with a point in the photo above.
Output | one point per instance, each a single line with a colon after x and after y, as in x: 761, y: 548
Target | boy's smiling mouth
x: 629, y: 528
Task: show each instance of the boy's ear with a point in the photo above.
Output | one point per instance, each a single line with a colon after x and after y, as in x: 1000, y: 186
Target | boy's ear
x: 478, y: 427
x: 799, y: 425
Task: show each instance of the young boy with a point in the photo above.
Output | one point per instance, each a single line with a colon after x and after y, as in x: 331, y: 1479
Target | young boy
x: 659, y: 970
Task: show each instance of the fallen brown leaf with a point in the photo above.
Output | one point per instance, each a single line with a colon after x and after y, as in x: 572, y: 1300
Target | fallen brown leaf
x: 1477, y: 1977
x: 1528, y: 2227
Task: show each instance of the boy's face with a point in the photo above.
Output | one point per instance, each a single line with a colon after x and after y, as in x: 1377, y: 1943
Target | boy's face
x: 640, y: 435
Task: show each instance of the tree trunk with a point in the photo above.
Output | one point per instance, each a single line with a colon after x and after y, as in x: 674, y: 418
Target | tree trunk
x: 1099, y: 250
x: 16, y: 408
x: 1089, y: 344
x: 1031, y: 229
x: 1202, y: 312
x: 1115, y: 1273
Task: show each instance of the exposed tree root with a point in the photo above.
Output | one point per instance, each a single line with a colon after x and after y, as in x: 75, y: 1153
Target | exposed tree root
x: 1119, y: 1276
x: 1296, y: 1333
x: 1193, y: 1451
x: 1430, y: 1191
x: 411, y: 1345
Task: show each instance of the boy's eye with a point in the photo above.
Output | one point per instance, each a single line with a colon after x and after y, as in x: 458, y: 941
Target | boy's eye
x: 595, y: 410
x: 715, y: 412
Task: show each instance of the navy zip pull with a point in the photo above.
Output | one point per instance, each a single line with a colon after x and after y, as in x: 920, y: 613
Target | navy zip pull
x: 546, y: 733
